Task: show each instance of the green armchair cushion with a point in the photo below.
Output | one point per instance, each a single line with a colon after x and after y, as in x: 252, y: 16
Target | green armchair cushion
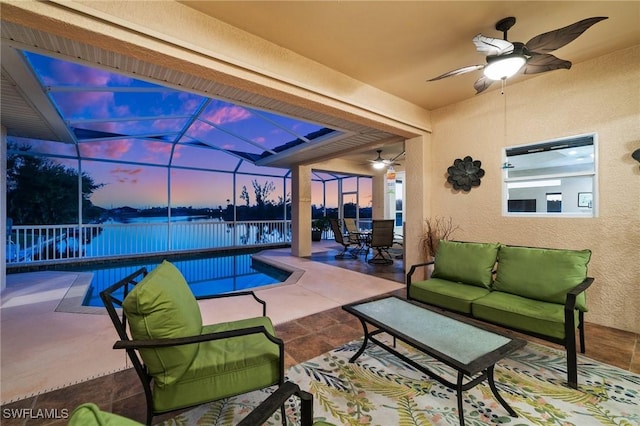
x: 542, y: 274
x: 465, y: 262
x: 162, y: 306
x: 90, y: 415
x: 225, y: 367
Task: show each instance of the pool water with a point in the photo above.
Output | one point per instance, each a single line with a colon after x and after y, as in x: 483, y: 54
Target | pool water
x: 206, y: 275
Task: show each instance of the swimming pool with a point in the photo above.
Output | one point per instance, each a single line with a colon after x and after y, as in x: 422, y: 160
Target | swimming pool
x: 206, y: 273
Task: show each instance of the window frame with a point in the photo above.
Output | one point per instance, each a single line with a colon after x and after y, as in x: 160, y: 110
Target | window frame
x: 593, y: 174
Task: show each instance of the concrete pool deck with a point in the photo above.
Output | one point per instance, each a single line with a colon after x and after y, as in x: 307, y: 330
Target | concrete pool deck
x: 44, y: 349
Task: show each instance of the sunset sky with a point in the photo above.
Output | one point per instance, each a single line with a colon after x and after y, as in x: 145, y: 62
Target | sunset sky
x: 132, y: 125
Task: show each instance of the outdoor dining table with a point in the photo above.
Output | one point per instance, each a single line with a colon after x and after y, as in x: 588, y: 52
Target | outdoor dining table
x: 363, y: 239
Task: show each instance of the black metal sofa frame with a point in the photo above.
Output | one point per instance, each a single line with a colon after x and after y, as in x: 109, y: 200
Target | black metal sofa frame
x: 569, y: 342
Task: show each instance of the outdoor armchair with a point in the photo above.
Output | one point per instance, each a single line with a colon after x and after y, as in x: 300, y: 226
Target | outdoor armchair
x: 341, y: 239
x: 180, y: 361
x: 382, y: 235
x: 353, y: 233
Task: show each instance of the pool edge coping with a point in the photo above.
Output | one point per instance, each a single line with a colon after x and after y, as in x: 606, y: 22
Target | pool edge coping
x: 71, y: 302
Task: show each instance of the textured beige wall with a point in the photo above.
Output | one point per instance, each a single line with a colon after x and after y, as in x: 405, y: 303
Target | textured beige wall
x: 601, y: 96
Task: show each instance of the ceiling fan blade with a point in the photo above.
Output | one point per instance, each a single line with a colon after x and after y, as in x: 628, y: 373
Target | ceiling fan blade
x: 492, y: 46
x: 482, y: 84
x: 398, y: 156
x: 459, y: 71
x: 538, y: 63
x: 552, y: 40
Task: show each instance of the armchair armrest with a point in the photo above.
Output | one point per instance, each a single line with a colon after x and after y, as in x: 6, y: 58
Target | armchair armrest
x: 570, y: 303
x: 235, y: 294
x: 269, y: 406
x: 161, y: 343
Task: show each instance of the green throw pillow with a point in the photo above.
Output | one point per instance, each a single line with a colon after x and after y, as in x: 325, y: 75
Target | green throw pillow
x: 469, y: 263
x: 542, y: 274
x: 90, y: 415
x: 162, y: 306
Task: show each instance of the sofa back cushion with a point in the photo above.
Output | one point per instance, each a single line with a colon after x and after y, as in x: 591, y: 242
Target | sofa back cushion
x: 469, y: 263
x: 162, y: 306
x: 541, y: 274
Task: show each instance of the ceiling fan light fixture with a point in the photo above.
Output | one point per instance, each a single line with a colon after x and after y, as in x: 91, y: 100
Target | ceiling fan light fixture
x: 378, y: 165
x: 502, y: 68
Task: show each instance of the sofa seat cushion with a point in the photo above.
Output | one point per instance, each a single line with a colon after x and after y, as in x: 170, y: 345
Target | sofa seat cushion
x: 542, y: 274
x: 224, y: 367
x: 521, y: 313
x: 447, y: 294
x: 465, y: 262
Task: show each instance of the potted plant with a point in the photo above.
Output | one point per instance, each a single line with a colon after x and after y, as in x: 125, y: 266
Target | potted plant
x: 318, y: 226
x: 436, y: 229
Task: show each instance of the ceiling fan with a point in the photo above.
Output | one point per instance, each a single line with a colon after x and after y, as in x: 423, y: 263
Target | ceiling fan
x: 381, y: 163
x: 505, y: 58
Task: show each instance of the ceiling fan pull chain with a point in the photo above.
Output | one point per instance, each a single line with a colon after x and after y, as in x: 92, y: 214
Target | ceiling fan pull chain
x: 504, y: 122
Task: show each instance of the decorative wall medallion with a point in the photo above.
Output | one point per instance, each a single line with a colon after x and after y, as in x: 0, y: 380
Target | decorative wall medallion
x: 465, y: 173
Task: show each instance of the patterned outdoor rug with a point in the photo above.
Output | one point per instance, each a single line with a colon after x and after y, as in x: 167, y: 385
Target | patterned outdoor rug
x: 378, y: 389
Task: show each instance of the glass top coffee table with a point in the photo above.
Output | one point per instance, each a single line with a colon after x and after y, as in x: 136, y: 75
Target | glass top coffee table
x: 470, y: 349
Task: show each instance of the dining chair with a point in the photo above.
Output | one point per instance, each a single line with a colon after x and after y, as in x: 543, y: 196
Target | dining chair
x: 342, y: 240
x: 382, y: 236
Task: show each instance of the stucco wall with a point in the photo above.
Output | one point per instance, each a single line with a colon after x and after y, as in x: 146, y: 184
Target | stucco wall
x: 601, y: 96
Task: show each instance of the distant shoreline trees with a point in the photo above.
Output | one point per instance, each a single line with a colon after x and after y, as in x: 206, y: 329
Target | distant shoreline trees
x: 43, y: 192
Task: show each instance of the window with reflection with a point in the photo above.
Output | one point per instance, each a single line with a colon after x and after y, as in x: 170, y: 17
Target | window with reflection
x: 551, y: 178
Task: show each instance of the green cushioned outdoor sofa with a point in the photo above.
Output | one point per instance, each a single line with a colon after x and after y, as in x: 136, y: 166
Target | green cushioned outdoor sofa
x: 536, y: 291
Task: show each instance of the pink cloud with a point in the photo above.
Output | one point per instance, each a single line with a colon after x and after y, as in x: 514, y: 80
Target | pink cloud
x: 120, y: 170
x: 70, y: 73
x: 122, y: 111
x: 116, y: 149
x: 124, y: 175
x: 106, y: 149
x: 188, y: 104
x: 158, y: 147
x: 228, y: 114
x: 158, y: 152
x: 198, y: 128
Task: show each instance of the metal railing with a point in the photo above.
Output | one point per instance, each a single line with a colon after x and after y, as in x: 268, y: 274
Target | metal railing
x: 51, y: 243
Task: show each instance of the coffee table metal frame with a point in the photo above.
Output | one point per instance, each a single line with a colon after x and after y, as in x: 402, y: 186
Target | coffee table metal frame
x: 478, y: 370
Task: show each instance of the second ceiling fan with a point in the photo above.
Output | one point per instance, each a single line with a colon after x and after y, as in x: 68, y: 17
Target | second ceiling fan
x: 381, y: 163
x: 505, y: 58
